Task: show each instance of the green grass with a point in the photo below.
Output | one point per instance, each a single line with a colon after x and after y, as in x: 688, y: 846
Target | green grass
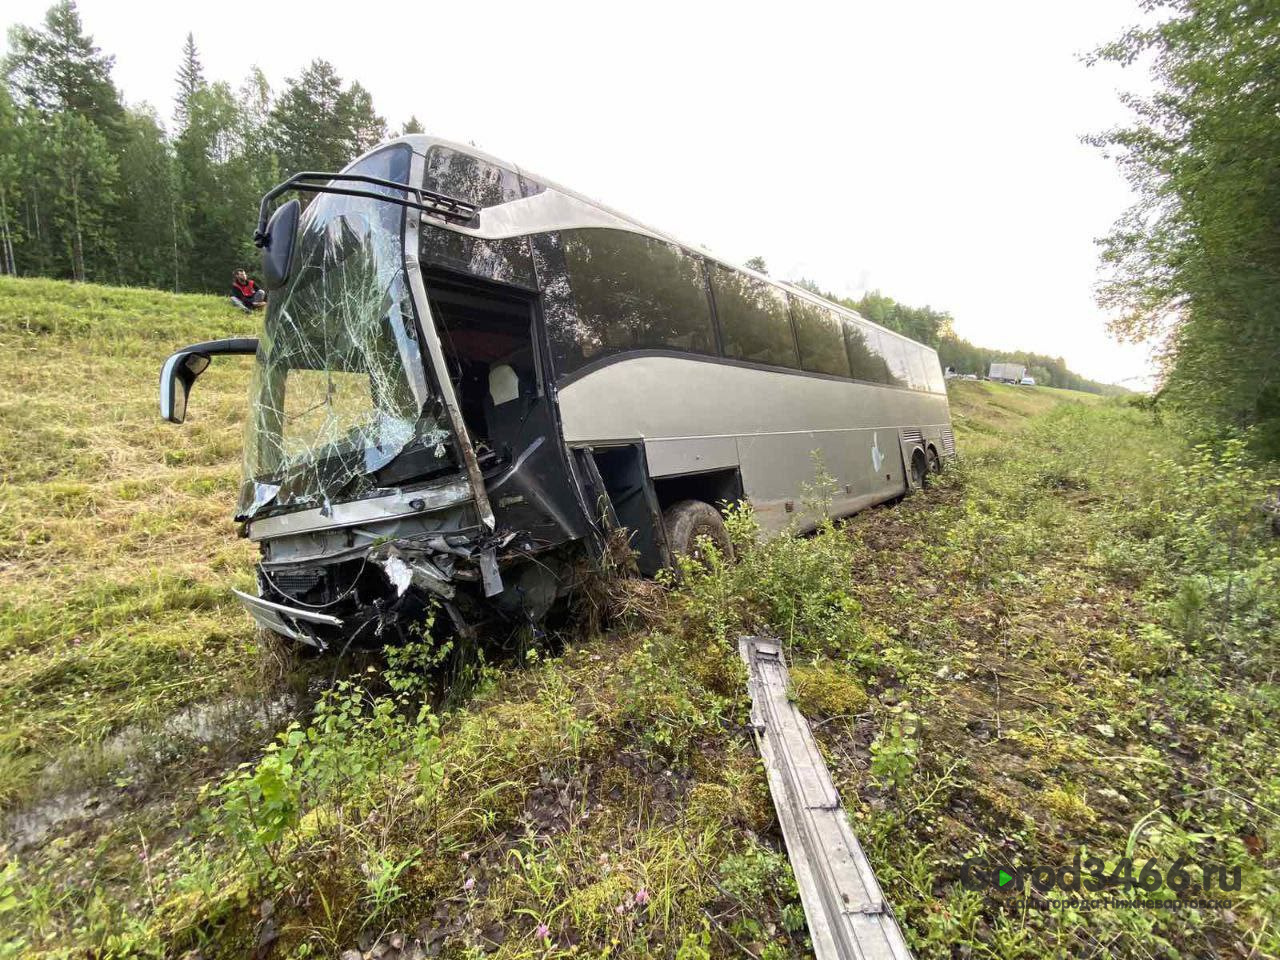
x: 984, y: 413
x: 1068, y: 645
x: 116, y: 546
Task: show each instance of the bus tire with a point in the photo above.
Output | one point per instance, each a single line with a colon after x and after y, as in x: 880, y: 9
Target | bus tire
x: 935, y: 461
x: 686, y: 521
x: 919, y: 471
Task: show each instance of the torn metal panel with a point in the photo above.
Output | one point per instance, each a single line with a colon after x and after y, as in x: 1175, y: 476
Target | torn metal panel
x: 849, y: 918
x: 398, y: 504
x: 417, y: 569
x: 489, y: 571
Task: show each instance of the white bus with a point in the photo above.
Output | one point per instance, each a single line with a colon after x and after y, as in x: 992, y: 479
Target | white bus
x: 466, y: 373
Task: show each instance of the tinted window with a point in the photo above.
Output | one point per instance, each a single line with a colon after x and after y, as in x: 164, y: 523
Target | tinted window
x: 919, y: 372
x: 821, y: 338
x: 894, y: 352
x: 937, y: 382
x: 470, y: 178
x: 631, y: 292
x: 754, y: 321
x: 507, y: 261
x: 865, y: 361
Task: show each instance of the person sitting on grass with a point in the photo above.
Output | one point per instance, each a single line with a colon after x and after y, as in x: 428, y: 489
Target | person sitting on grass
x: 245, y: 293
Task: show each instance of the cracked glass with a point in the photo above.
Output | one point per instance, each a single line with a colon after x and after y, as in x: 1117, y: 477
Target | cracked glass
x: 338, y: 395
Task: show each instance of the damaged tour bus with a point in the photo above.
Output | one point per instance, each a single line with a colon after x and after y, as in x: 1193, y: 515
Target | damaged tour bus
x: 466, y: 374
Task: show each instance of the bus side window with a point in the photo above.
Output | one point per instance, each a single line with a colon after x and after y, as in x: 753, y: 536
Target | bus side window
x: 821, y: 340
x: 895, y: 355
x: 865, y: 361
x: 937, y: 382
x: 755, y: 323
x: 632, y: 292
x: 919, y: 371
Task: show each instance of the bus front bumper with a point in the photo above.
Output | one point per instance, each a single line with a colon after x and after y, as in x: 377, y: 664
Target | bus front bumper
x: 292, y: 622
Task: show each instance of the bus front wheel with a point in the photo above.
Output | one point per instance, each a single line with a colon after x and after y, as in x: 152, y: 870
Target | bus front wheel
x: 687, y: 521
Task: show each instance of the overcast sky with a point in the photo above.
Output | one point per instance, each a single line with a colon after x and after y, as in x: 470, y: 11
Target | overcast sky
x: 929, y: 150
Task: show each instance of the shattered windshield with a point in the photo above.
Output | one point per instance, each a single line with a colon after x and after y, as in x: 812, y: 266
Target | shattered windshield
x: 338, y: 393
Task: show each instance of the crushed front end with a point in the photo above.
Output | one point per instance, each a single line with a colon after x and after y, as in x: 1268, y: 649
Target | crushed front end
x: 362, y: 486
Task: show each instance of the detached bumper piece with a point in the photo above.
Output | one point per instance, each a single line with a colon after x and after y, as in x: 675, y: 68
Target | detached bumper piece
x: 292, y: 622
x: 848, y: 916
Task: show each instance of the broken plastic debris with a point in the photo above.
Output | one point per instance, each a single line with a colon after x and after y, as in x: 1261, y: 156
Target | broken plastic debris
x: 398, y: 573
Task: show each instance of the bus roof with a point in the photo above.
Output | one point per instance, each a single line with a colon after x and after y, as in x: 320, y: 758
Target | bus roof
x: 421, y: 142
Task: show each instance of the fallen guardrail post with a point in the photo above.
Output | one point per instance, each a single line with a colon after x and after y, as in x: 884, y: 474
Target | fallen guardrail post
x: 848, y: 916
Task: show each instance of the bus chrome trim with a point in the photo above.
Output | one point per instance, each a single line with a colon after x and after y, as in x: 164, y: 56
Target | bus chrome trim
x: 286, y: 621
x: 400, y: 504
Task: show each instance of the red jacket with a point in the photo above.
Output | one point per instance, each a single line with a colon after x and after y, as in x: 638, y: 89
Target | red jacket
x: 244, y: 292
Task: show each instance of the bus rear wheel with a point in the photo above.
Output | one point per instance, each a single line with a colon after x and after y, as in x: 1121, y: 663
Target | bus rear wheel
x: 687, y: 521
x: 919, y: 471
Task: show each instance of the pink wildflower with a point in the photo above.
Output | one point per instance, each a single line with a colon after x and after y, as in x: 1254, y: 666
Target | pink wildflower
x: 642, y: 897
x: 543, y: 931
x: 469, y: 883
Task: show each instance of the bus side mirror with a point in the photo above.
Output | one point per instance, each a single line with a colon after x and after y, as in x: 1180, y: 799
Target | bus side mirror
x: 179, y: 373
x: 278, y: 244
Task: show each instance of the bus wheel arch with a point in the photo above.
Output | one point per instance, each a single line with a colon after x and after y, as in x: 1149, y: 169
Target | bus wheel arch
x: 687, y: 521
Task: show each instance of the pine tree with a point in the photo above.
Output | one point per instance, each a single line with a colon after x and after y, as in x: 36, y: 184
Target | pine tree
x: 356, y: 116
x: 190, y: 79
x: 214, y: 217
x: 72, y: 129
x: 58, y: 69
x: 317, y: 125
x: 412, y: 126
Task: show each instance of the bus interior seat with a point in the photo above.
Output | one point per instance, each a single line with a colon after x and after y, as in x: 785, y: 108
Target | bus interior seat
x: 511, y: 395
x: 504, y: 384
x: 480, y: 335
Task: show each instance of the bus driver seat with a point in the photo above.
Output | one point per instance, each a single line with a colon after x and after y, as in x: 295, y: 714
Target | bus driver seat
x: 504, y: 384
x: 506, y: 406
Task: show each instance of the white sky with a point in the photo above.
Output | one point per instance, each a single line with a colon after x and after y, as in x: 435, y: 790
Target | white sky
x: 928, y: 149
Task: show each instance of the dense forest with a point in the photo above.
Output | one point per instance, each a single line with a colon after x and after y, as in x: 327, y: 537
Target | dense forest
x: 1195, y: 264
x: 94, y: 189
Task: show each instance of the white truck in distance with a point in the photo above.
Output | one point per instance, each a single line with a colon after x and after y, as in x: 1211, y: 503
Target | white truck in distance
x: 1007, y: 372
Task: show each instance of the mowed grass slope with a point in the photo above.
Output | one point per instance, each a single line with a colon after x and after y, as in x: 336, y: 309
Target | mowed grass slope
x: 985, y: 413
x: 117, y: 550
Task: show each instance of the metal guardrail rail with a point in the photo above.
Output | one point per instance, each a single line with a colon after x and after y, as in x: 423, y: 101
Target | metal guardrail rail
x: 848, y: 916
